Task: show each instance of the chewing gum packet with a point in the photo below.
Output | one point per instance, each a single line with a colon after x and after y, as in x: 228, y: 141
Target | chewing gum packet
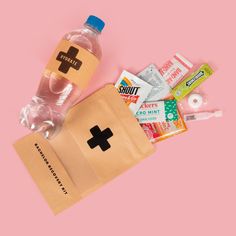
x: 158, y: 111
x: 191, y: 82
x: 158, y: 131
x: 175, y: 69
x: 160, y: 87
x: 133, y: 90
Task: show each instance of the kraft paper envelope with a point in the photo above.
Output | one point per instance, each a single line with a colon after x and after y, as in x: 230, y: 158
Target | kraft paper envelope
x: 99, y: 140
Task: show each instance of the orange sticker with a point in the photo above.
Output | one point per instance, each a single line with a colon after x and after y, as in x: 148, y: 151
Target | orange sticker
x: 73, y: 63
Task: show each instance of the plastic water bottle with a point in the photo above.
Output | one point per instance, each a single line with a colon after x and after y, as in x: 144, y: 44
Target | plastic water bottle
x: 66, y: 75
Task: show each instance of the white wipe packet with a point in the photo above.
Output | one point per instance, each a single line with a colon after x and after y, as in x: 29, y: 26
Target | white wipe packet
x: 133, y: 90
x: 161, y: 89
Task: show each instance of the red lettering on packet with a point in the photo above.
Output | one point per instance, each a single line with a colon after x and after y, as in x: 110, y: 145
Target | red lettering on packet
x: 173, y: 75
x: 176, y: 72
x: 146, y: 105
x: 165, y: 67
x: 130, y: 98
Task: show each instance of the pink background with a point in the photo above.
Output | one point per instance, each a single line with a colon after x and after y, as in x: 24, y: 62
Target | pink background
x: 188, y: 186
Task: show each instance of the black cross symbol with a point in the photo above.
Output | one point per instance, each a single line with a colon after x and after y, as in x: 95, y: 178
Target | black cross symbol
x: 100, y: 138
x: 69, y: 60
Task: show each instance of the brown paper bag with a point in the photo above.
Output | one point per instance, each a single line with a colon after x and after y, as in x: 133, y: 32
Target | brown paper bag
x: 99, y: 140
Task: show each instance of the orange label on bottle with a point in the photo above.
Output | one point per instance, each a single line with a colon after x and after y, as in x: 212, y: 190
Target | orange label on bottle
x: 73, y: 63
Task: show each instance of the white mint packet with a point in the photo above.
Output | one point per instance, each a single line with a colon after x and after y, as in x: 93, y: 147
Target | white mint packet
x: 160, y: 89
x: 133, y: 90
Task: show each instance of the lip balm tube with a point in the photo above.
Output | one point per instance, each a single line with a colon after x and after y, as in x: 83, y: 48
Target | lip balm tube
x: 175, y: 69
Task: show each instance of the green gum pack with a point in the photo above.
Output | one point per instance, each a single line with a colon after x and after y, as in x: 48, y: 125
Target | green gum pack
x: 191, y: 82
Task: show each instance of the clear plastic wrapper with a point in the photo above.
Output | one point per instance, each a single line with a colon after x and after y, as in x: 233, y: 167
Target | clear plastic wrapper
x: 196, y: 101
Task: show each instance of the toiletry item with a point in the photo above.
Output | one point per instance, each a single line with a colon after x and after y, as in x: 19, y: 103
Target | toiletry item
x: 160, y: 87
x: 133, y: 90
x: 161, y: 130
x: 203, y: 115
x: 67, y: 73
x: 159, y: 111
x: 175, y: 69
x: 191, y: 82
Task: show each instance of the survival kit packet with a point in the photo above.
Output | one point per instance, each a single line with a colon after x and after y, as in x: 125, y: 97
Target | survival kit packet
x: 99, y: 140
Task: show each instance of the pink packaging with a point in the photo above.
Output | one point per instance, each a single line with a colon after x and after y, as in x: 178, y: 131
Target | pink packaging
x: 175, y: 69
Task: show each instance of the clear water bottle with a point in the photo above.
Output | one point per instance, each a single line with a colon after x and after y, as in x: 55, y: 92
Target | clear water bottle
x: 66, y: 75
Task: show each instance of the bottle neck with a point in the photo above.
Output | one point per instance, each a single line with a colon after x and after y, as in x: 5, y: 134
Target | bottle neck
x: 91, y: 30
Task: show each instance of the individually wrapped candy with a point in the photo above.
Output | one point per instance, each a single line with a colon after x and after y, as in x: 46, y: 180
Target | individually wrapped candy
x: 158, y: 111
x: 195, y: 101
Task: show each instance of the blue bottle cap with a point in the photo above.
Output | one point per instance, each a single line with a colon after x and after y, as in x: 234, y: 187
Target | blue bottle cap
x: 95, y: 23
